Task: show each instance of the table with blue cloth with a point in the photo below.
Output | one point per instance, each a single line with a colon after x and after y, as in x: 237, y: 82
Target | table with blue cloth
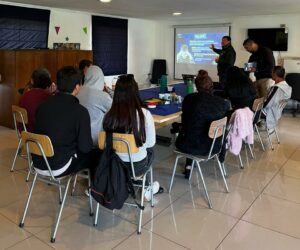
x: 165, y: 112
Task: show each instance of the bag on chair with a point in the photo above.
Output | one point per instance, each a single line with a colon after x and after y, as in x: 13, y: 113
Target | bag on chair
x: 112, y: 183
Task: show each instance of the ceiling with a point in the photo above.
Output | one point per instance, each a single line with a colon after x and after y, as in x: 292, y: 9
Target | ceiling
x: 163, y: 9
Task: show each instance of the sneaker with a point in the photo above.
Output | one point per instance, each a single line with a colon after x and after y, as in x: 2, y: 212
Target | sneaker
x: 155, y: 187
x: 87, y: 193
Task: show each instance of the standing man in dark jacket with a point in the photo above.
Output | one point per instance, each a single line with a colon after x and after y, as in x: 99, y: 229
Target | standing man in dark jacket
x: 265, y: 62
x: 225, y: 60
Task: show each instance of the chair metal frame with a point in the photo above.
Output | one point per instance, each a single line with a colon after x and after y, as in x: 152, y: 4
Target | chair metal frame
x: 257, y: 109
x: 41, y: 145
x: 217, y: 129
x: 125, y: 143
x: 282, y: 105
x: 19, y: 117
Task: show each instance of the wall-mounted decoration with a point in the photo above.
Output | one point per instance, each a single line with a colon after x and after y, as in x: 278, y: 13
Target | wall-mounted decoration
x: 67, y: 38
x: 57, y: 28
x: 84, y: 30
x: 70, y: 46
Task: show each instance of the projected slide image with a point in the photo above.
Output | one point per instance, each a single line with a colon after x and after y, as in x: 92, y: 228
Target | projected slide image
x: 194, y: 48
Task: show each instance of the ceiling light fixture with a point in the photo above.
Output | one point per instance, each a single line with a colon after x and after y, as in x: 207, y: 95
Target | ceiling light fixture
x: 105, y: 1
x: 177, y: 13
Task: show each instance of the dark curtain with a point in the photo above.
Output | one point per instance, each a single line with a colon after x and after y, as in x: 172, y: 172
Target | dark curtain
x: 23, y: 28
x: 109, y: 39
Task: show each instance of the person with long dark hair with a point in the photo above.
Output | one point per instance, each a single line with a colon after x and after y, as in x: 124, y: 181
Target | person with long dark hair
x: 127, y: 116
x: 198, y: 111
x: 240, y: 90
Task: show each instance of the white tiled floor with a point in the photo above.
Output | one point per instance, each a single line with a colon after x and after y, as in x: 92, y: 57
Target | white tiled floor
x: 262, y: 210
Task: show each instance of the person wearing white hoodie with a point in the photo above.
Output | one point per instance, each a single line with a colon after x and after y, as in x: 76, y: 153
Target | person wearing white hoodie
x: 279, y: 92
x: 92, y: 97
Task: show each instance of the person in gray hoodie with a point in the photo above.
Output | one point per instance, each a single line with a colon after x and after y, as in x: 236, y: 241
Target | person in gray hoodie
x: 278, y: 93
x: 95, y: 99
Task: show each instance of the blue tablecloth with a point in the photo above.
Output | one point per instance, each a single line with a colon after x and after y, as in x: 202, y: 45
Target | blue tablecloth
x: 146, y: 94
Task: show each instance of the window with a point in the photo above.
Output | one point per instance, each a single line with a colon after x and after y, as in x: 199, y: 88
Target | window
x: 109, y: 39
x: 23, y: 28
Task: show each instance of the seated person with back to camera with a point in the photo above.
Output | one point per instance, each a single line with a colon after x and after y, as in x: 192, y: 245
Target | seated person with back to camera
x: 278, y: 93
x: 198, y: 111
x: 127, y: 116
x: 67, y: 123
x: 240, y: 90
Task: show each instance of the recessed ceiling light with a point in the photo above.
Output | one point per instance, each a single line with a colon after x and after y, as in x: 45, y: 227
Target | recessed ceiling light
x: 105, y: 1
x: 177, y: 13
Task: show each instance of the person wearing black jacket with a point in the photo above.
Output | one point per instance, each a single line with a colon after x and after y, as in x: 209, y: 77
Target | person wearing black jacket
x: 67, y: 123
x: 265, y: 62
x: 225, y: 60
x: 198, y: 111
x: 240, y: 90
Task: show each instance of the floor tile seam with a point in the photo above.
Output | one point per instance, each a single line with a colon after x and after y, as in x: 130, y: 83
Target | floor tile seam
x: 297, y: 178
x: 280, y: 198
x: 230, y: 230
x: 32, y: 236
x: 270, y: 229
x: 152, y: 232
x: 262, y: 191
x: 16, y: 243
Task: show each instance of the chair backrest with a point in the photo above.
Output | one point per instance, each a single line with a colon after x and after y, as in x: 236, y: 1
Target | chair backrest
x: 122, y: 143
x: 256, y: 108
x: 293, y: 79
x: 118, y: 145
x: 20, y: 117
x: 217, y: 129
x: 38, y: 144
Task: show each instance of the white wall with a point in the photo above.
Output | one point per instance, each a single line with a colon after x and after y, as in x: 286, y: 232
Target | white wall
x: 239, y: 32
x: 142, y: 38
x: 71, y: 25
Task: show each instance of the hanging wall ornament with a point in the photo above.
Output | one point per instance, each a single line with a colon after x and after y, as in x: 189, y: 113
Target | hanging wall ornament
x: 57, y: 28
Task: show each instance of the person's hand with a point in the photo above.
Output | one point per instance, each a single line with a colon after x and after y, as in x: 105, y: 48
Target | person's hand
x: 52, y: 89
x: 217, y: 59
x: 252, y: 70
x: 212, y: 46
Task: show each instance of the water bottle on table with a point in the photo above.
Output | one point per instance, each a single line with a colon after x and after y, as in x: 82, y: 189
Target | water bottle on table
x: 163, y: 82
x: 189, y: 86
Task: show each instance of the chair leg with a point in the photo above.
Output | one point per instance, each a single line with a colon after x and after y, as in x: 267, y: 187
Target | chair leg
x: 142, y: 205
x: 28, y: 175
x: 90, y: 194
x: 74, y: 185
x: 96, y: 215
x: 259, y: 137
x: 204, y: 185
x: 275, y: 130
x: 222, y: 173
x: 241, y: 162
x: 191, y: 172
x: 269, y: 139
x: 151, y: 183
x: 251, y: 151
x: 16, y: 155
x: 28, y: 201
x: 173, y: 174
x: 60, y: 210
x: 224, y: 169
x: 60, y: 194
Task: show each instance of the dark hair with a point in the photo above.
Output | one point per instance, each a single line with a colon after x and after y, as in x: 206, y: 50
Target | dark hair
x: 238, y: 83
x: 85, y: 63
x: 279, y: 71
x: 41, y: 78
x: 227, y: 37
x: 248, y: 41
x: 67, y: 79
x: 203, y: 82
x: 126, y: 115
